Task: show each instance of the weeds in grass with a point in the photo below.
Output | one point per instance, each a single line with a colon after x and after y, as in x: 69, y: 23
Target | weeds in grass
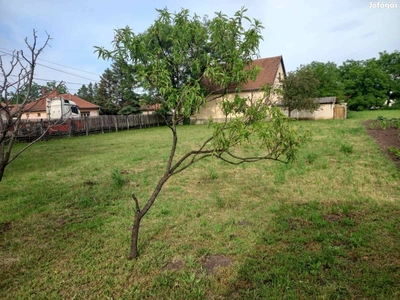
x: 311, y: 157
x: 395, y: 151
x: 117, y: 179
x: 346, y: 148
x: 212, y: 173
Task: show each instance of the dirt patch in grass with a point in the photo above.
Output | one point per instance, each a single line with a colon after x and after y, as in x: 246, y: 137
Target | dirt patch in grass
x: 385, y: 138
x: 214, y: 261
x: 4, y: 227
x: 244, y: 223
x: 333, y: 218
x: 177, y: 265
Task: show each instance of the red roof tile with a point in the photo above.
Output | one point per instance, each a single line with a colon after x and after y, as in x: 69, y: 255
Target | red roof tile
x: 79, y: 101
x: 269, y: 69
x: 40, y: 105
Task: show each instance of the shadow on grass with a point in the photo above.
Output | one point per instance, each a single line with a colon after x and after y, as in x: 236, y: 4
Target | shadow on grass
x: 337, y: 251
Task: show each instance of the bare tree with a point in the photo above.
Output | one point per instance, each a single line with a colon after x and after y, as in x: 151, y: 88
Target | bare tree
x: 17, y: 77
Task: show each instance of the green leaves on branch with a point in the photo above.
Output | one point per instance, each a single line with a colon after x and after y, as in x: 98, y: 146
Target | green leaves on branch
x: 176, y: 55
x: 276, y: 138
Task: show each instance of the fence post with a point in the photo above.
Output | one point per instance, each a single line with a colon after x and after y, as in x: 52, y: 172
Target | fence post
x: 86, y: 125
x: 69, y: 127
x: 116, y: 124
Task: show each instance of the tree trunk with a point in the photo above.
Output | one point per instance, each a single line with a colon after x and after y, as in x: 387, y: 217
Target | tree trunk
x: 4, y: 162
x: 2, y: 168
x: 139, y: 214
x: 135, y: 235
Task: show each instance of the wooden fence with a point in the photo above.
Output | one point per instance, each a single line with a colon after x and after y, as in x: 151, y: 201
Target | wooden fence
x: 32, y: 129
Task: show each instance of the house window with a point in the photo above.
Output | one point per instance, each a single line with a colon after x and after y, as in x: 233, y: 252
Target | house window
x: 38, y: 114
x: 85, y: 114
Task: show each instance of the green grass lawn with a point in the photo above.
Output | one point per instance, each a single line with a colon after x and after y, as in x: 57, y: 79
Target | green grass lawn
x: 326, y: 227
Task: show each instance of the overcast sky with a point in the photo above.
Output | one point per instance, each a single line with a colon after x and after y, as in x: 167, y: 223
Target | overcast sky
x: 301, y: 31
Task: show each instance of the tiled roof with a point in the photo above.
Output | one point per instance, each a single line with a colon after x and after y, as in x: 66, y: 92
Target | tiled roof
x: 269, y: 69
x: 40, y: 105
x: 37, y: 105
x: 326, y: 100
x: 83, y: 104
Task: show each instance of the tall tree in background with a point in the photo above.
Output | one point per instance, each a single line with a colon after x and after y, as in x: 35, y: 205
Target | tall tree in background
x: 106, y: 93
x: 390, y: 64
x: 91, y: 94
x: 52, y: 85
x: 83, y: 92
x: 17, y: 77
x: 328, y: 76
x: 116, y: 91
x: 88, y: 93
x: 365, y: 84
x: 35, y: 92
x: 186, y: 52
x: 299, y: 90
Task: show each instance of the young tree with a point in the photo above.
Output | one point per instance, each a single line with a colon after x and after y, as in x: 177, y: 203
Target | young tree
x: 18, y: 78
x: 185, y: 53
x: 299, y: 90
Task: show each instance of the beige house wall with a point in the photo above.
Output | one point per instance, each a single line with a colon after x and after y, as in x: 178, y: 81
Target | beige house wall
x: 34, y: 115
x: 324, y: 112
x: 37, y: 115
x: 92, y: 112
x: 213, y: 109
x: 276, y: 97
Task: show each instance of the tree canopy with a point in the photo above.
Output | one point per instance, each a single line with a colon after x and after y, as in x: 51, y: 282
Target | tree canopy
x: 365, y: 84
x: 328, y: 76
x: 35, y: 91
